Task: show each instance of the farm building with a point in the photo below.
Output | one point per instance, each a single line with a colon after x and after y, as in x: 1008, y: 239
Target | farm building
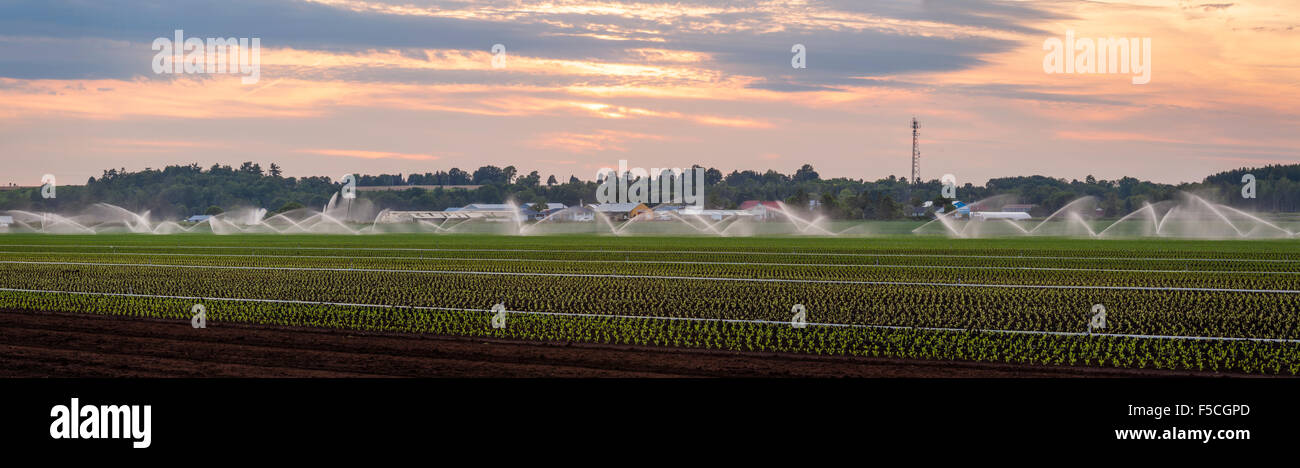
x: 666, y: 212
x: 715, y: 215
x: 480, y: 211
x: 762, y: 210
x: 620, y: 211
x: 493, y: 211
x: 484, y: 207
x: 574, y: 214
x: 392, y: 217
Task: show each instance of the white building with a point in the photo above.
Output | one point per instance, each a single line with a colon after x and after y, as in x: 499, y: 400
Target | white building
x: 620, y: 211
x: 715, y: 215
x: 666, y: 212
x: 478, y: 211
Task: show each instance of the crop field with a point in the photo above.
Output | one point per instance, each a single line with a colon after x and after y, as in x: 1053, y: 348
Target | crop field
x: 1176, y: 305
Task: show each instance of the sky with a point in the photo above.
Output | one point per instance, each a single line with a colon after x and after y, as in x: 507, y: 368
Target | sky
x: 370, y: 87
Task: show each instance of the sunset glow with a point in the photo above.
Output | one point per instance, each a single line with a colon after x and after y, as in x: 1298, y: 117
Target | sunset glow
x: 587, y: 83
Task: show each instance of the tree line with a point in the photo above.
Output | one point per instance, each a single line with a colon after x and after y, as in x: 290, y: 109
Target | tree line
x: 184, y: 190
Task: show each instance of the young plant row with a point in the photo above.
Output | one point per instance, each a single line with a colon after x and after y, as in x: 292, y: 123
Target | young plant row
x: 1095, y: 350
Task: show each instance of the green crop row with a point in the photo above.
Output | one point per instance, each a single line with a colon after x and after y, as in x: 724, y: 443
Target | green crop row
x: 730, y: 279
x: 1157, y: 312
x: 1096, y: 350
x: 986, y: 274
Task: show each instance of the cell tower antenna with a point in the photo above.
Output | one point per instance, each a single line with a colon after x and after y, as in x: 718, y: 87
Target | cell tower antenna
x: 916, y: 152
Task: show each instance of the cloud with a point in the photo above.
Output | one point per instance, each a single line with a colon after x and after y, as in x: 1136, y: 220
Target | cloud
x: 709, y: 81
x: 1214, y: 6
x: 844, y: 39
x: 1040, y: 93
x: 140, y: 145
x: 1011, y: 16
x: 601, y: 140
x: 347, y: 153
x: 1113, y: 136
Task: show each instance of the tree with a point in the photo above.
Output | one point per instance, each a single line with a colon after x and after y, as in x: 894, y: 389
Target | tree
x: 531, y: 180
x: 1058, y: 200
x: 551, y: 180
x: 887, y: 208
x: 798, y: 200
x: 250, y: 168
x: 290, y: 206
x: 213, y: 210
x: 805, y: 174
x: 829, y: 204
x: 489, y: 175
x: 1111, y: 205
x: 488, y: 194
x: 1090, y: 180
x: 275, y: 170
x: 458, y: 177
x: 944, y: 203
x: 712, y: 176
x: 184, y: 190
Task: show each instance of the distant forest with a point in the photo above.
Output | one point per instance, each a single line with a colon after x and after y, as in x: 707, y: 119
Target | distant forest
x: 181, y: 191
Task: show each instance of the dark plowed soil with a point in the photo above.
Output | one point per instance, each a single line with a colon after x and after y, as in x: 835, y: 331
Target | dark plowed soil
x: 43, y: 344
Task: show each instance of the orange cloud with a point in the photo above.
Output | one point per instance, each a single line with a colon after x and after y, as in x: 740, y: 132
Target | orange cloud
x: 1114, y: 136
x: 193, y: 98
x: 672, y: 63
x: 126, y: 145
x: 1251, y: 161
x: 368, y: 154
x: 602, y: 140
